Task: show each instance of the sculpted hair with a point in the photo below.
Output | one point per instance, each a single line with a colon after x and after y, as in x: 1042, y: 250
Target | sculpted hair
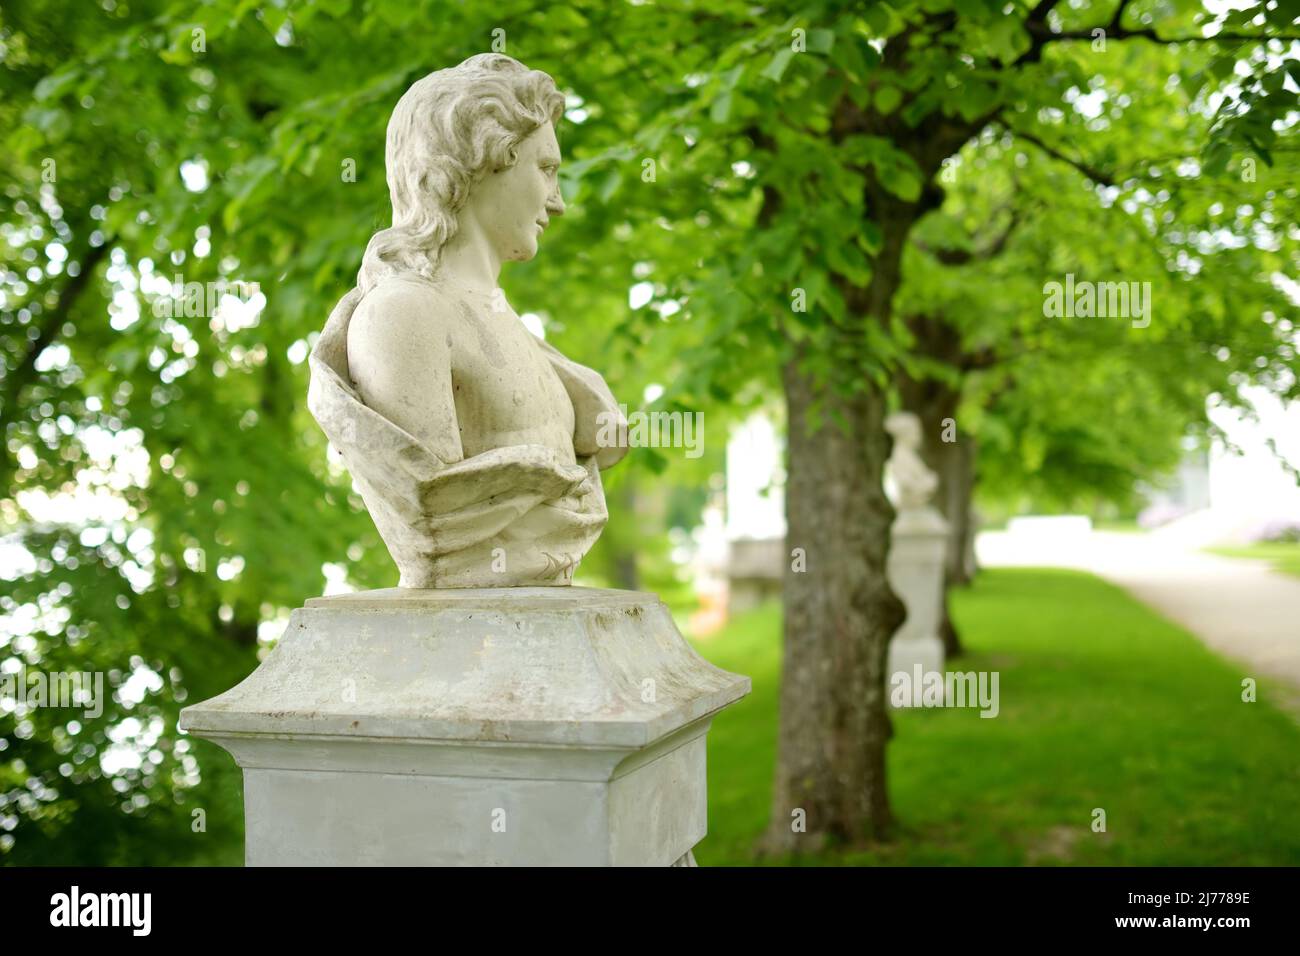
x: 447, y: 132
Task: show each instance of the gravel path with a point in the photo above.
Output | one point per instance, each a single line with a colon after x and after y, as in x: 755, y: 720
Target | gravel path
x: 1240, y: 608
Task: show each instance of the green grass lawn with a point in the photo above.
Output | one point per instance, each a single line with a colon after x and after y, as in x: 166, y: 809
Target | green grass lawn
x: 1283, y: 555
x: 1103, y: 704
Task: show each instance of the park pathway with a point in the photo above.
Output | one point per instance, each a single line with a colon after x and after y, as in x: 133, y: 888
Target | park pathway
x: 1240, y: 608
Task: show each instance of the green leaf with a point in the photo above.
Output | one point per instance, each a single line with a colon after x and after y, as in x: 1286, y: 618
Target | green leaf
x: 721, y: 108
x: 54, y: 85
x: 820, y: 41
x: 887, y: 99
x: 609, y: 185
x: 273, y: 18
x: 776, y: 68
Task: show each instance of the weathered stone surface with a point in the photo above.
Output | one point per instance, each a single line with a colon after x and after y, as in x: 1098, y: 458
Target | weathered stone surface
x: 509, y: 516
x: 468, y: 716
x: 524, y: 726
x: 914, y: 483
x: 915, y: 570
x: 918, y: 540
x: 476, y: 446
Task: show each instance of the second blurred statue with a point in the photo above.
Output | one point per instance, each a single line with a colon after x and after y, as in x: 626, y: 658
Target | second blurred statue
x: 476, y: 446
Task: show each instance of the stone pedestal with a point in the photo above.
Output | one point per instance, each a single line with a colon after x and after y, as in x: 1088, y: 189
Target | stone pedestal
x: 486, y: 726
x: 915, y: 568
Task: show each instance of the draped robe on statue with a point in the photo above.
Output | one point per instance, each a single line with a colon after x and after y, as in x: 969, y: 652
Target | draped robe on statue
x: 499, y: 519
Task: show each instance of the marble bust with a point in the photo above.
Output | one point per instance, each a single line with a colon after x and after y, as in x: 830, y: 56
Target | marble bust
x: 476, y: 446
x: 914, y: 483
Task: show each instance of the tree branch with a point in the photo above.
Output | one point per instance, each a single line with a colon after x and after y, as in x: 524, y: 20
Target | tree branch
x: 1039, y: 30
x: 18, y: 377
x: 1039, y: 35
x: 1148, y: 33
x: 961, y: 257
x: 1098, y: 176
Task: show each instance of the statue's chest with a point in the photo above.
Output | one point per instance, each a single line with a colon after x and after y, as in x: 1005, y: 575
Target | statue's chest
x: 501, y: 376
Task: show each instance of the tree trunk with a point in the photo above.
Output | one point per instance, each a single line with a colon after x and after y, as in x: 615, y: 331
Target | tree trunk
x: 962, y: 515
x: 839, y: 611
x: 957, y: 570
x: 839, y: 616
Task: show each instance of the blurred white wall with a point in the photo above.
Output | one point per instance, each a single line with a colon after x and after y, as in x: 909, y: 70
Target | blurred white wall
x: 1255, y: 486
x: 754, y: 462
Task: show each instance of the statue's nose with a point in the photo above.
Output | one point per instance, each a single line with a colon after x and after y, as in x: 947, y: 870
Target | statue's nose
x: 555, y: 203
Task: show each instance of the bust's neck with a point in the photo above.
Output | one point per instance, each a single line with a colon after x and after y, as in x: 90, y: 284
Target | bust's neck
x: 469, y: 259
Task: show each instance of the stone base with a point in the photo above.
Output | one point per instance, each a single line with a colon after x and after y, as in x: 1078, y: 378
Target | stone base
x: 491, y: 726
x: 918, y: 540
x: 905, y: 655
x: 915, y: 568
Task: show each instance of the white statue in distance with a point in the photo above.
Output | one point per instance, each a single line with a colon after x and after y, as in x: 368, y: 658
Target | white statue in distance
x: 914, y: 483
x: 474, y: 444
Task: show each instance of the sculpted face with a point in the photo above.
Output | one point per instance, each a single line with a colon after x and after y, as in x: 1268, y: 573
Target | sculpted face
x: 512, y: 207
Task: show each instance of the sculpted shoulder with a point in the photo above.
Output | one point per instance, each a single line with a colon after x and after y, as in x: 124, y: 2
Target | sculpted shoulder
x: 400, y: 312
x: 399, y: 361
